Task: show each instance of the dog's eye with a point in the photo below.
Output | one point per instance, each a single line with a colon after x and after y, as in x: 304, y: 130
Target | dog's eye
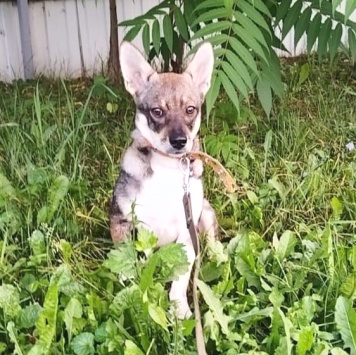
x: 190, y: 110
x: 156, y: 112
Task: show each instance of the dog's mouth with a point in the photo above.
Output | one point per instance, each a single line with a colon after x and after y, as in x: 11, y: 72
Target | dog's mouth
x: 174, y: 151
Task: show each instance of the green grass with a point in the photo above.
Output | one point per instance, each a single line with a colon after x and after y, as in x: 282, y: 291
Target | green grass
x: 280, y: 280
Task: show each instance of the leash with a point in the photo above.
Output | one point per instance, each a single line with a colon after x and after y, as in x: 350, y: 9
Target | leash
x: 229, y: 182
x: 184, y: 165
x: 225, y: 177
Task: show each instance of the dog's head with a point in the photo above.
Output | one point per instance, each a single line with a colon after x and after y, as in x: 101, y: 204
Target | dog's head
x: 168, y: 104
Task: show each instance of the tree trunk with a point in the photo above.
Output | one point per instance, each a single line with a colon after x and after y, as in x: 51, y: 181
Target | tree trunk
x: 114, y: 63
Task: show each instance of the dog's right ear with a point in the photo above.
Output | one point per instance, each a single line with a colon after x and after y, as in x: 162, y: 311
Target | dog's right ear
x: 135, y: 69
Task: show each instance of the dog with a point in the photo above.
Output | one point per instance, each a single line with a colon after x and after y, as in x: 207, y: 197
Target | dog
x: 152, y: 176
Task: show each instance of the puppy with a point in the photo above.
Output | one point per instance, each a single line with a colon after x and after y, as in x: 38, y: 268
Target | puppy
x: 154, y: 172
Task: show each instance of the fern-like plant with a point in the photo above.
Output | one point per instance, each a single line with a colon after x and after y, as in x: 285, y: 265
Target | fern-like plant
x: 243, y: 33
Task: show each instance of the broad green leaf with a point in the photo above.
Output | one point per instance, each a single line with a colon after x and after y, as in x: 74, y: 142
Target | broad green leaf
x: 122, y: 260
x: 253, y: 10
x: 352, y: 42
x: 250, y: 41
x: 148, y: 272
x: 72, y: 310
x: 37, y: 242
x: 345, y: 318
x: 260, y: 6
x: 230, y: 89
x: 254, y: 314
x: 305, y: 340
x: 252, y: 197
x: 328, y: 246
x: 132, y: 349
x: 128, y: 298
x: 168, y: 32
x: 44, y: 215
x: 313, y: 31
x: 229, y: 4
x: 146, y: 40
x: 132, y: 33
x: 146, y: 241
x: 46, y: 323
x: 252, y: 28
x: 324, y: 37
x: 335, y: 4
x: 7, y: 191
x: 57, y: 191
x: 288, y: 326
x: 275, y: 342
x: 264, y: 94
x: 212, y: 94
x: 276, y: 297
x: 244, y: 54
x: 216, y: 251
x: 278, y: 186
x: 211, y: 29
x: 292, y: 17
x: 215, y: 306
x: 268, y: 142
x: 158, y: 315
x: 349, y: 9
x: 247, y: 272
x: 335, y: 40
x: 337, y: 208
x: 235, y: 78
x: 83, y: 344
x: 304, y: 73
x: 239, y: 68
x: 285, y: 245
x: 13, y: 338
x: 216, y: 41
x: 137, y: 21
x: 9, y: 300
x: 156, y: 36
x: 302, y: 25
x: 29, y: 315
x: 210, y: 15
x: 172, y: 261
x: 190, y: 14
x: 306, y: 311
x: 181, y: 23
x: 272, y: 73
x: 204, y: 5
x: 348, y: 287
x: 282, y: 10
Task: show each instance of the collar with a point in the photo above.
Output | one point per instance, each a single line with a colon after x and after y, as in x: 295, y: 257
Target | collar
x: 223, y: 174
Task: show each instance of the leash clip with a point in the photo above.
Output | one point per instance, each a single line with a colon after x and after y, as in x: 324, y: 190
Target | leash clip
x: 184, y: 166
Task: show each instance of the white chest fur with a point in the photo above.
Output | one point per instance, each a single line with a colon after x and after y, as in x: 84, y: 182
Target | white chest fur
x: 159, y: 203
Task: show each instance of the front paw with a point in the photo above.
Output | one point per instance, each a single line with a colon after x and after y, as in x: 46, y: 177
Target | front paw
x: 197, y: 168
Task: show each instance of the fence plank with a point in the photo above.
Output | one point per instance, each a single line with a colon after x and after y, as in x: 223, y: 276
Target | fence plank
x: 59, y: 28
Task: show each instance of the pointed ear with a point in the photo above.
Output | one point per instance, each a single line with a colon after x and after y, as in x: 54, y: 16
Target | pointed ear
x: 201, y: 68
x: 135, y: 69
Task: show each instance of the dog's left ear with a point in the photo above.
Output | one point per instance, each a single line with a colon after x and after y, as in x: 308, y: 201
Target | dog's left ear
x: 135, y: 69
x: 201, y: 68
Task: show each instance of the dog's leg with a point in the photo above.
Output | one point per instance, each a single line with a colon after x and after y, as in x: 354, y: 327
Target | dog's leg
x: 120, y: 227
x: 208, y: 223
x: 178, y: 292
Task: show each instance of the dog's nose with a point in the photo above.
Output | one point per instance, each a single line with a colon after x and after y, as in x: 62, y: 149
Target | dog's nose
x: 178, y: 142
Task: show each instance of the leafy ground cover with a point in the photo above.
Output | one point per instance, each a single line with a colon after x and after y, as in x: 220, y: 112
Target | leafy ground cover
x: 282, y: 278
